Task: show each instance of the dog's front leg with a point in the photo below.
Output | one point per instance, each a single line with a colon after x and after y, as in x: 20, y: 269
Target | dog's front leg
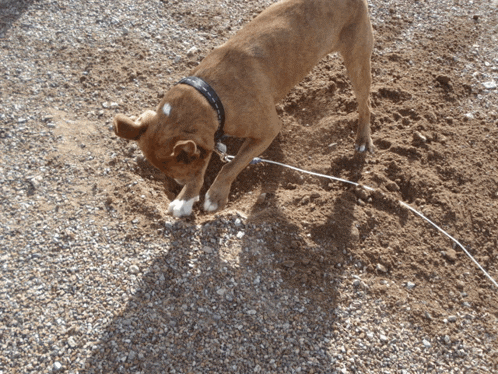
x: 217, y: 195
x: 182, y: 205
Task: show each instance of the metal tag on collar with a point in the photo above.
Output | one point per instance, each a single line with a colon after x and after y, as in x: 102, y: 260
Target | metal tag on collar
x: 221, y: 150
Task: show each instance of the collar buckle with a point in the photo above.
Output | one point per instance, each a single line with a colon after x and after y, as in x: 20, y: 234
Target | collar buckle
x: 221, y: 150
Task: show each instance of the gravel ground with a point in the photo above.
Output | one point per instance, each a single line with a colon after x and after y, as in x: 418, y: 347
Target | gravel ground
x: 85, y: 288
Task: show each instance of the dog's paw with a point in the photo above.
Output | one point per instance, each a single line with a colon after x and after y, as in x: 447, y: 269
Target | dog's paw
x: 216, y: 199
x: 182, y: 208
x: 209, y: 205
x: 362, y: 146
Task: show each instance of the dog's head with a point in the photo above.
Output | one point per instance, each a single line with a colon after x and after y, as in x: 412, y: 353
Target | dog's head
x: 178, y: 137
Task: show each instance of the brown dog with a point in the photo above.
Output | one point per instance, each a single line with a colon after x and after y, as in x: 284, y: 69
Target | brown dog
x: 250, y: 73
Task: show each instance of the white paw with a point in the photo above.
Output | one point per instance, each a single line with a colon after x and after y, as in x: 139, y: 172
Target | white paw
x: 209, y: 206
x: 181, y: 208
x: 360, y: 148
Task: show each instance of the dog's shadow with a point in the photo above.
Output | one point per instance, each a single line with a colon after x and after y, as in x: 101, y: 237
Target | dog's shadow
x: 340, y: 223
x: 209, y: 286
x: 10, y: 12
x: 310, y: 257
x: 199, y: 296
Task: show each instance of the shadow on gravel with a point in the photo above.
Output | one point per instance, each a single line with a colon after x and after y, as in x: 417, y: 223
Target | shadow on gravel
x: 11, y: 11
x: 340, y: 226
x: 209, y: 308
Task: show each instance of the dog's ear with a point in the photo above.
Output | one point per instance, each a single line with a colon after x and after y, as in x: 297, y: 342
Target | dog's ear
x: 185, y: 151
x: 124, y: 127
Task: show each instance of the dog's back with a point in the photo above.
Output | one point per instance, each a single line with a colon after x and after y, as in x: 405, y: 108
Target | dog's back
x: 283, y: 43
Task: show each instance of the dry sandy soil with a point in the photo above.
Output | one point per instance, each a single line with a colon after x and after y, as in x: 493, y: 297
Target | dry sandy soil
x: 435, y: 128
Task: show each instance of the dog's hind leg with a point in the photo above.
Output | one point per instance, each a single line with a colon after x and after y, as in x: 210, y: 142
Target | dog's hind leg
x: 356, y: 49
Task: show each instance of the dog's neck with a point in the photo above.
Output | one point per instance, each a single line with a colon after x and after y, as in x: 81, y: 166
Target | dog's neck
x: 210, y: 94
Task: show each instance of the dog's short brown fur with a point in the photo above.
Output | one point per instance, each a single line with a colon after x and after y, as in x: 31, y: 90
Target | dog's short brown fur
x: 250, y: 73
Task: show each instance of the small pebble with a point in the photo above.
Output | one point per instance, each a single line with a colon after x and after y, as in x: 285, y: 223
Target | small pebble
x: 418, y: 137
x: 381, y: 268
x: 207, y: 249
x: 131, y: 356
x: 72, y: 343
x: 443, y: 79
x: 261, y: 198
x: 392, y: 186
x: 441, y: 138
x: 192, y: 51
x: 450, y: 254
x: 289, y: 264
x: 489, y: 85
x: 410, y: 285
x: 355, y: 234
x: 35, y: 182
x: 362, y: 194
x: 133, y: 269
x: 57, y: 366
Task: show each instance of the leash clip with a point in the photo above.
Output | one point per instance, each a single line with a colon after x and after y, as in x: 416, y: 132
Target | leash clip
x: 221, y: 150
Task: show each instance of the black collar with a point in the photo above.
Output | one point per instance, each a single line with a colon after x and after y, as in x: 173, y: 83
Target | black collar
x: 207, y: 91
